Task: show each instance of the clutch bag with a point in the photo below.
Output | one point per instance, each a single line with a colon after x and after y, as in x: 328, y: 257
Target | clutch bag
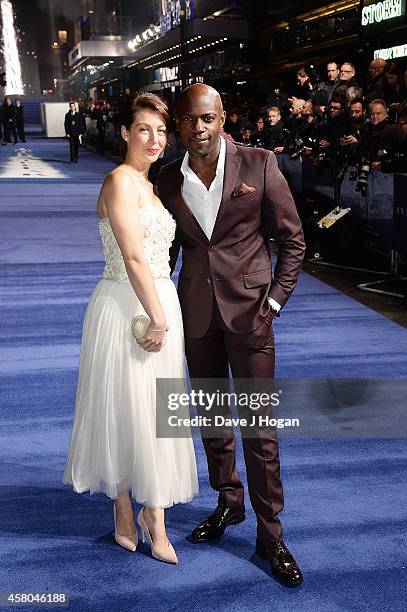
x: 140, y: 325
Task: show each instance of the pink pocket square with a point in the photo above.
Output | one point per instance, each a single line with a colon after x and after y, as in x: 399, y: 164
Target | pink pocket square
x: 242, y: 189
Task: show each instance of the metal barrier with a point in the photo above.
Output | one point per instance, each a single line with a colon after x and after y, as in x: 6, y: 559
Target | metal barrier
x: 383, y: 209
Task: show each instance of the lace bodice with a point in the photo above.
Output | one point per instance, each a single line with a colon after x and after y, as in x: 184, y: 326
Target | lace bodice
x: 159, y: 232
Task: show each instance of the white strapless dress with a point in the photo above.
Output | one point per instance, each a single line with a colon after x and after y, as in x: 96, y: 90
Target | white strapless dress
x: 113, y: 445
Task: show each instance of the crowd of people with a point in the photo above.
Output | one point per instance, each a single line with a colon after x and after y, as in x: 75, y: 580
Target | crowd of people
x: 12, y: 121
x: 328, y: 118
x: 333, y: 119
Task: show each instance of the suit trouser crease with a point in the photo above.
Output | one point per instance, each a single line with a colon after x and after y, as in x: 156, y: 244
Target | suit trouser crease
x: 74, y: 147
x: 250, y: 356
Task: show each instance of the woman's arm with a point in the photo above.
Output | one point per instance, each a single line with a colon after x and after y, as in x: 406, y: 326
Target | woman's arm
x: 121, y: 198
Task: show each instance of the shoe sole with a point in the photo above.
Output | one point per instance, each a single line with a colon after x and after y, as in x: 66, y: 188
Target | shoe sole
x: 236, y: 521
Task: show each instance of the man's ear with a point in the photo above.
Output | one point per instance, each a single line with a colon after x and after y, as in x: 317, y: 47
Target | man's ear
x: 223, y: 117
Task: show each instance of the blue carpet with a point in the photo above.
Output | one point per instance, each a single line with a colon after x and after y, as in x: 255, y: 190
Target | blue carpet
x: 345, y: 516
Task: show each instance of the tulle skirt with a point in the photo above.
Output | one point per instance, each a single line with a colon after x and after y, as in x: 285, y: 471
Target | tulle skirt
x: 114, y: 447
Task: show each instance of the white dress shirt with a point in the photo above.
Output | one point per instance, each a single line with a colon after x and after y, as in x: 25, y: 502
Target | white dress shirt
x: 204, y: 203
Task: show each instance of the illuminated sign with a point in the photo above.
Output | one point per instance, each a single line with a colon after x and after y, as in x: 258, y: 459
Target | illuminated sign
x: 170, y: 13
x: 377, y: 12
x: 391, y: 52
x: 10, y: 51
x: 168, y: 74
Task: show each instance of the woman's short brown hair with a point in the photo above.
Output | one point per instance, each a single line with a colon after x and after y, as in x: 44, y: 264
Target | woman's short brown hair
x: 143, y: 101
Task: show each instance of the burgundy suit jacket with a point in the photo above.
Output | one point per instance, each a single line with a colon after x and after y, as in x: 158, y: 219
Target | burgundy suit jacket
x: 235, y: 263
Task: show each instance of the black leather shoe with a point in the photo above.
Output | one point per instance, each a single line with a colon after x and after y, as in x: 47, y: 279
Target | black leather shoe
x: 213, y: 527
x: 283, y: 564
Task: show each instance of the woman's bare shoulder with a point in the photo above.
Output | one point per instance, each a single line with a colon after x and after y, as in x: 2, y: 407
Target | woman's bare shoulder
x: 118, y: 187
x: 118, y: 180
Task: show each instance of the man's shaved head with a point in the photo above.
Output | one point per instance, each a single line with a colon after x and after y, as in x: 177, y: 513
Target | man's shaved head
x: 190, y: 94
x: 201, y: 119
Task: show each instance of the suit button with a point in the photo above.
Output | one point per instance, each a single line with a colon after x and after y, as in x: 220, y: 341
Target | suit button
x: 209, y: 281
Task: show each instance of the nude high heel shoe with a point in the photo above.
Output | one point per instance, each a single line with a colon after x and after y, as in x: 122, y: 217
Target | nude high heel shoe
x: 166, y: 552
x: 127, y: 542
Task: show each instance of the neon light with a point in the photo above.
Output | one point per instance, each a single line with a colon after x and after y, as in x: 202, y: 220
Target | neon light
x: 391, y: 52
x: 382, y: 11
x: 10, y: 51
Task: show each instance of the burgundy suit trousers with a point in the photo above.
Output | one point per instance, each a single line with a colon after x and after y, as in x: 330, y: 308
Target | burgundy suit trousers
x: 251, y: 356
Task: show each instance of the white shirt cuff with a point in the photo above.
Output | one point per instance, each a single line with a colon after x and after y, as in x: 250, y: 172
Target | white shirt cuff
x: 275, y: 305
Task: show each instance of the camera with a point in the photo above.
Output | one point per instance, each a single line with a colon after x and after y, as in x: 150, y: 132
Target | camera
x: 362, y: 176
x: 295, y: 144
x: 392, y: 162
x: 259, y: 141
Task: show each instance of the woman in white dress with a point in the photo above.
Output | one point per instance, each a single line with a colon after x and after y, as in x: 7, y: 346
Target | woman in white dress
x: 114, y: 448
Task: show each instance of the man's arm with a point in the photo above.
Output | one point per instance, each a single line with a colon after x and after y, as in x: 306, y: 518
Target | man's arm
x: 281, y: 219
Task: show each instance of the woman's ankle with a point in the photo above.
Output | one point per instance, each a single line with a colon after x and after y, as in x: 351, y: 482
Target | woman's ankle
x: 123, y: 502
x: 154, y: 514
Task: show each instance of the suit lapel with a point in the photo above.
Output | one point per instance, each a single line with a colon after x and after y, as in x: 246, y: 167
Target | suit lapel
x: 233, y: 161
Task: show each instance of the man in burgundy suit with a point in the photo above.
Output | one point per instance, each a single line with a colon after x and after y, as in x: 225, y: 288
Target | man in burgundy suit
x: 228, y: 201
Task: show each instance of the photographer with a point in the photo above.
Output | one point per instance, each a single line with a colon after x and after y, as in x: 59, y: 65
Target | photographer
x: 258, y: 137
x: 395, y: 92
x: 303, y: 87
x: 333, y: 80
x: 379, y: 135
x: 274, y: 130
x: 396, y: 161
x: 233, y: 124
x: 358, y: 123
x: 336, y: 124
x: 375, y: 88
x: 310, y: 131
x: 347, y: 76
x: 292, y: 143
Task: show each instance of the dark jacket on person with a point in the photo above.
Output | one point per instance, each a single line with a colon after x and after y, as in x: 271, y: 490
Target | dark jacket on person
x: 381, y: 137
x: 234, y: 129
x: 343, y: 86
x: 295, y: 125
x: 9, y: 113
x: 259, y: 139
x: 397, y: 162
x: 375, y: 89
x: 74, y: 124
x: 275, y: 135
x: 246, y: 220
x: 327, y: 87
x: 303, y: 92
x: 395, y: 96
x: 335, y: 128
x: 20, y: 115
